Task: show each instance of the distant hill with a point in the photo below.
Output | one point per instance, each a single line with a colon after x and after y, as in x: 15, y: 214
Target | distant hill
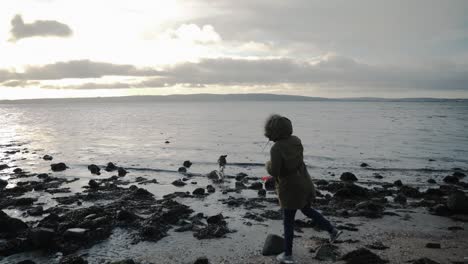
x: 226, y: 97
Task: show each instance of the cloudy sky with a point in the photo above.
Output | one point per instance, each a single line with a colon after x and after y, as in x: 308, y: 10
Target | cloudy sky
x: 398, y: 48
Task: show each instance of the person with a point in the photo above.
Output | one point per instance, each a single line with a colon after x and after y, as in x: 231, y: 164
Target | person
x: 293, y: 183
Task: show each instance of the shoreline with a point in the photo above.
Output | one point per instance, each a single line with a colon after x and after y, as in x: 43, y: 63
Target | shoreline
x: 139, y: 221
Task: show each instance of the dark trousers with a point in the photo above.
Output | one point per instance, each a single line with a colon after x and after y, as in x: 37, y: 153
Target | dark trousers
x: 288, y: 222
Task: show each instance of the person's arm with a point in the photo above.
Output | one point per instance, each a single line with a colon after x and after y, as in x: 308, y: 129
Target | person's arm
x: 276, y: 162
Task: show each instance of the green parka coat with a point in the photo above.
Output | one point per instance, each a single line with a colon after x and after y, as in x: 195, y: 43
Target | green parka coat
x: 293, y: 183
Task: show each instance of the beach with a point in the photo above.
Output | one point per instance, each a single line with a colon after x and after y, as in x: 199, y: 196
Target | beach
x: 407, y: 200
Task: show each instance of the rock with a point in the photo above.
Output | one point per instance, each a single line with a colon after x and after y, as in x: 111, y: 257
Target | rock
x: 459, y: 174
x: 36, y: 211
x: 351, y: 191
x: 433, y: 245
x: 216, y: 219
x: 167, y: 142
x: 47, y: 157
x: 182, y: 170
x: 58, y: 166
x: 424, y: 261
x: 274, y: 215
x: 240, y: 176
x: 214, y: 175
x: 455, y: 228
x: 73, y: 259
x: 210, y: 188
x: 199, y: 191
x: 140, y: 192
x: 274, y: 245
x: 348, y: 177
x: 363, y: 256
x: 125, y: 261
x: 4, y: 166
x: 400, y: 198
x: 261, y: 192
x: 378, y: 176
x: 27, y: 261
x: 364, y: 165
x: 202, y: 260
x: 10, y: 225
x: 18, y: 170
x: 178, y: 183
x: 410, y: 191
x: 127, y: 216
x: 431, y: 181
x: 93, y: 184
x: 43, y: 176
x: 458, y: 203
x: 369, y: 209
x: 441, y: 210
x: 451, y: 179
x: 327, y: 252
x: 256, y: 186
x: 122, y: 172
x: 212, y: 231
x: 377, y: 246
x: 398, y: 183
x: 110, y: 167
x: 41, y: 237
x: 187, y: 164
x: 321, y: 182
x: 75, y: 233
x: 3, y: 183
x: 240, y: 185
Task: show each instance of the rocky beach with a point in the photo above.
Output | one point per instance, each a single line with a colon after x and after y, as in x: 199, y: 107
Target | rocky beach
x: 181, y: 216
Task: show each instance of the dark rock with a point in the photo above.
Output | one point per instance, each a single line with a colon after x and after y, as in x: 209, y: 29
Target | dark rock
x: 455, y: 228
x: 364, y: 165
x: 140, y: 192
x: 256, y: 186
x: 93, y: 184
x: 369, y: 209
x: 410, y: 191
x: 398, y: 183
x: 167, y: 142
x: 182, y: 170
x: 199, y: 191
x: 424, y: 261
x: 125, y: 261
x: 433, y: 245
x: 27, y: 261
x: 274, y: 245
x: 210, y: 188
x: 212, y: 231
x: 377, y: 246
x: 216, y: 219
x: 240, y: 176
x: 58, y: 166
x: 127, y: 216
x: 378, y: 176
x: 202, y: 260
x: 47, y: 157
x: 431, y: 181
x: 75, y: 233
x: 41, y: 237
x: 262, y: 193
x: 36, y: 211
x: 451, y: 179
x: 441, y: 210
x: 111, y: 167
x: 400, y: 198
x: 459, y: 174
x: 122, y: 172
x: 18, y: 170
x: 348, y: 177
x: 270, y: 214
x: 327, y: 252
x: 187, y: 164
x: 3, y: 183
x: 214, y: 175
x: 178, y: 183
x: 458, y: 203
x: 363, y: 256
x: 321, y: 182
x: 73, y: 259
x: 10, y: 225
x: 4, y: 166
x: 43, y: 176
x: 351, y: 191
x: 94, y: 169
x: 240, y: 185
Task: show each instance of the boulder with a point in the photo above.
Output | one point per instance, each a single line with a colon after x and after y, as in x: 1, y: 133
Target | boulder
x: 410, y: 191
x: 93, y: 184
x: 451, y: 179
x: 459, y: 174
x: 110, y: 167
x: 178, y: 183
x: 127, y: 216
x: 351, y: 191
x: 441, y: 210
x: 182, y: 170
x: 424, y: 261
x: 58, y: 166
x: 43, y: 176
x: 36, y: 211
x: 431, y: 181
x: 10, y: 225
x: 187, y: 164
x: 398, y: 183
x: 378, y: 176
x: 216, y: 219
x: 4, y: 166
x: 3, y: 183
x: 273, y: 245
x: 122, y: 172
x: 18, y: 171
x: 202, y: 260
x: 364, y: 165
x: 458, y: 203
x: 210, y: 188
x: 214, y: 175
x: 75, y: 233
x: 73, y: 259
x: 433, y: 245
x: 94, y: 169
x: 400, y: 198
x: 47, y: 157
x: 240, y: 176
x: 199, y: 191
x: 348, y: 177
x: 369, y: 209
x: 41, y: 237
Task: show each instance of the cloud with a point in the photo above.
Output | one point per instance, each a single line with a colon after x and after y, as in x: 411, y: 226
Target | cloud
x: 39, y: 28
x: 329, y: 71
x: 193, y: 33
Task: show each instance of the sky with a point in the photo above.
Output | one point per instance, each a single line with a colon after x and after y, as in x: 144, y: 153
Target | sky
x: 362, y: 48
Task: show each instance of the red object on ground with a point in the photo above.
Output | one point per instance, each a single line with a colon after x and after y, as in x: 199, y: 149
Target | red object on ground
x: 266, y: 178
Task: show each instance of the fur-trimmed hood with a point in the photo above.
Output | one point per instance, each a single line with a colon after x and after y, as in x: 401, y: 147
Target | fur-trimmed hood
x: 278, y: 127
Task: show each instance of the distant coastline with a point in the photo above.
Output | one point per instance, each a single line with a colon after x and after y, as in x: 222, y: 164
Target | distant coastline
x: 229, y: 97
